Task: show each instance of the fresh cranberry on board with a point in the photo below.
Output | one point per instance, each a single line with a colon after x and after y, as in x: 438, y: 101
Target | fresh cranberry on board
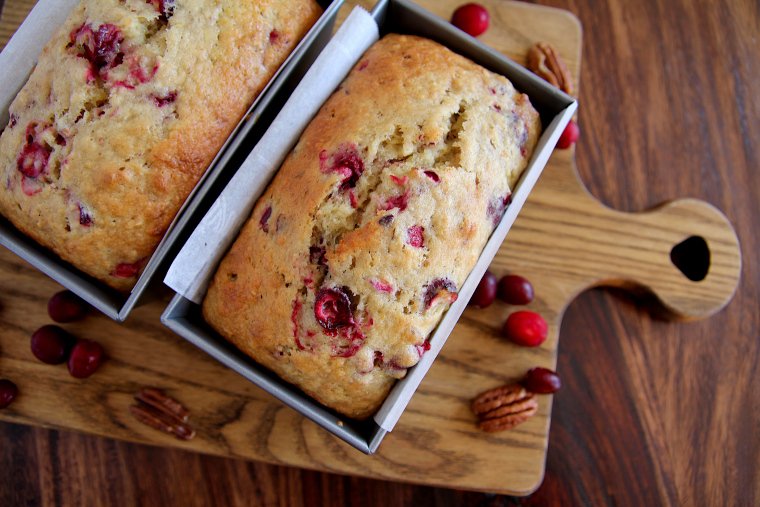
x: 485, y: 294
x: 85, y: 358
x: 8, y: 392
x: 515, y: 290
x: 52, y: 344
x: 471, y: 18
x: 569, y: 136
x: 65, y: 306
x: 541, y: 381
x: 526, y: 328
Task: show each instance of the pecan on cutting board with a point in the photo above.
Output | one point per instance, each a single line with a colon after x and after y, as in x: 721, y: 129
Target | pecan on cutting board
x: 504, y: 407
x: 545, y: 62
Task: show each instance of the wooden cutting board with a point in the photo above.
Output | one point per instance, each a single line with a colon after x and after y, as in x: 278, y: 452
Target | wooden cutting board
x: 564, y: 242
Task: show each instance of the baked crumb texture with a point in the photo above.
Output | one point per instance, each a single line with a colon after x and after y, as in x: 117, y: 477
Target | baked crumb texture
x: 362, y: 240
x: 128, y: 104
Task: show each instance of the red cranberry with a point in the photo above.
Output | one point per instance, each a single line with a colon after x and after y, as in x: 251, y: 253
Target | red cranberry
x: 264, y: 220
x: 496, y: 207
x: 164, y: 7
x: 30, y: 186
x: 346, y: 161
x: 569, y: 136
x: 381, y: 285
x: 515, y: 290
x: 440, y: 288
x: 397, y: 201
x: 317, y: 255
x: 415, y: 236
x: 347, y: 342
x: 332, y: 309
x: 161, y: 101
x: 51, y: 344
x: 399, y: 180
x: 108, y: 39
x: 101, y: 47
x: 294, y: 318
x: 8, y: 392
x: 526, y: 328
x: 472, y: 18
x: 137, y: 75
x: 83, y: 40
x: 485, y: 294
x: 433, y: 176
x: 541, y: 381
x: 85, y: 358
x: 127, y: 270
x: 33, y: 159
x: 422, y: 348
x: 65, y: 306
x: 352, y: 166
x: 85, y: 219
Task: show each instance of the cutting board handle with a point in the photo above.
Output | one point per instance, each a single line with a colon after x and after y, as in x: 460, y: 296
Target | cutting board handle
x: 685, y: 252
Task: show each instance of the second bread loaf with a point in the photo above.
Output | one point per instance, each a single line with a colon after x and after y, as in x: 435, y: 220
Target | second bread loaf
x: 366, y: 234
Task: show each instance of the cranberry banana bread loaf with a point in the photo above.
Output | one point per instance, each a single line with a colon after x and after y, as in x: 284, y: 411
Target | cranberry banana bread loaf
x: 127, y: 106
x: 372, y: 224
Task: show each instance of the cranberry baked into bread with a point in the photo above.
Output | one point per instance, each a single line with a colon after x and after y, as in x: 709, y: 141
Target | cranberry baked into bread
x: 372, y: 224
x: 128, y: 104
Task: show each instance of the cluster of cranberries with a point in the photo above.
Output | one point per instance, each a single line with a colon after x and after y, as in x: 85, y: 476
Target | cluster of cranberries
x: 523, y: 327
x: 52, y: 344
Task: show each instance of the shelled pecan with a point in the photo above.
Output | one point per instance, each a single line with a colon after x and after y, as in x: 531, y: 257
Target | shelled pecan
x: 545, y: 62
x: 504, y: 407
x: 160, y: 401
x: 159, y: 411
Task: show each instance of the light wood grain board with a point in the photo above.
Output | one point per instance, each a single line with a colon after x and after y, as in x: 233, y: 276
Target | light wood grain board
x: 564, y: 241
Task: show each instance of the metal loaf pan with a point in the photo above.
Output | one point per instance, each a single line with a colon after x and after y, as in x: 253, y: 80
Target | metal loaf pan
x: 556, y: 108
x: 46, y: 16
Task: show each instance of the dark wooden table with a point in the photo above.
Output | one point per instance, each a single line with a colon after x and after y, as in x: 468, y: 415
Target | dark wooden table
x: 653, y: 412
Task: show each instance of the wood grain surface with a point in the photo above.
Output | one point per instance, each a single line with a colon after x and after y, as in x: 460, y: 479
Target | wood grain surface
x: 437, y: 441
x: 652, y: 412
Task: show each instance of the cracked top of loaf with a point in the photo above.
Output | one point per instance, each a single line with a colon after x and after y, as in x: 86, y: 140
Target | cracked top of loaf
x: 128, y: 104
x: 373, y: 222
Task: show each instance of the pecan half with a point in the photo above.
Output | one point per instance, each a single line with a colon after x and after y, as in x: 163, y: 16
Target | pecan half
x: 160, y: 401
x: 545, y: 62
x: 504, y: 407
x: 159, y: 411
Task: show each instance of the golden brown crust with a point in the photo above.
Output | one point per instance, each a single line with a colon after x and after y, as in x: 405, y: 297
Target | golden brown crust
x: 375, y: 218
x: 127, y: 141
